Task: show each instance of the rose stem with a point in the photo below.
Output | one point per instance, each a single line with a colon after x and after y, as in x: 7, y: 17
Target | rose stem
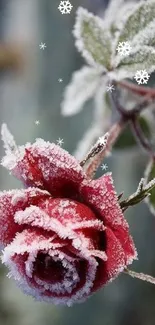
x: 96, y: 148
x: 141, y: 276
x: 137, y: 89
x: 114, y: 132
x: 140, y: 137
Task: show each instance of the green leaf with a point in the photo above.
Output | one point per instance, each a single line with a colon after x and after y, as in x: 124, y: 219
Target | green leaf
x: 149, y: 175
x: 143, y: 192
x: 139, y: 30
x: 142, y: 15
x: 127, y: 140
x: 143, y: 59
x: 92, y: 39
x: 82, y: 87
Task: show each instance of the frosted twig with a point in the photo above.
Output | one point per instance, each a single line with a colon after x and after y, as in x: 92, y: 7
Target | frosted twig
x: 140, y: 276
x: 120, y: 195
x: 140, y: 185
x: 98, y: 147
x: 114, y: 132
x: 140, y: 90
x: 141, y: 193
x: 8, y: 139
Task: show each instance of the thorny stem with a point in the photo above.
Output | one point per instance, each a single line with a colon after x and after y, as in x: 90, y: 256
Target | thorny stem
x: 140, y: 276
x: 114, y: 132
x: 140, y: 90
x: 96, y: 149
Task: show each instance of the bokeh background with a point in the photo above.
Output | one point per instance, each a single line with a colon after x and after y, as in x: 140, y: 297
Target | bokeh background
x: 30, y: 91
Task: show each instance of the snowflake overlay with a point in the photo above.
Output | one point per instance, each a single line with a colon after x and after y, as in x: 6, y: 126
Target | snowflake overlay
x: 42, y: 46
x: 37, y: 122
x: 110, y: 88
x: 104, y: 166
x: 65, y: 7
x: 60, y: 142
x: 124, y: 48
x: 141, y: 77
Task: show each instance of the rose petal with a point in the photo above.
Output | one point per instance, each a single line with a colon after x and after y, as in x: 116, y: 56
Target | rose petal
x: 36, y: 217
x: 75, y: 216
x: 108, y: 270
x: 47, y: 166
x: 30, y: 240
x: 20, y: 253
x: 16, y: 255
x: 12, y: 201
x: 101, y: 195
x: 58, y: 216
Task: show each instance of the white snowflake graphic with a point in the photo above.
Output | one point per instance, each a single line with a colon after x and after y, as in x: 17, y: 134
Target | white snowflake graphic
x: 124, y: 48
x: 37, y: 122
x: 103, y: 140
x: 60, y: 80
x: 42, y: 46
x: 110, y: 88
x: 141, y: 77
x: 60, y: 142
x: 65, y: 7
x: 104, y: 166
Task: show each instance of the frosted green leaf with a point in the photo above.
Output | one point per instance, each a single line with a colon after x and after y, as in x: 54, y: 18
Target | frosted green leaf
x: 145, y: 190
x: 101, y: 121
x: 93, y: 40
x: 126, y: 67
x: 146, y: 36
x: 112, y: 10
x: 115, y: 14
x: 81, y: 88
x: 139, y: 31
x: 142, y: 15
x: 149, y: 175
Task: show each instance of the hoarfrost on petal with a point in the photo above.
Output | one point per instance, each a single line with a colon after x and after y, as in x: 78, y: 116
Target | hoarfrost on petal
x: 11, y: 202
x: 101, y: 195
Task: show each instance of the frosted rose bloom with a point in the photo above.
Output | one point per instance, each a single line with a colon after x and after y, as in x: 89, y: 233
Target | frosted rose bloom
x: 64, y: 236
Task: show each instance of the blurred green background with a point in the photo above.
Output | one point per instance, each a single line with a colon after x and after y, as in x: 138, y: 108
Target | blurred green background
x: 30, y: 91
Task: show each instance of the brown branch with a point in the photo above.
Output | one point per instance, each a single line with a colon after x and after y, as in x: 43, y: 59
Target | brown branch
x: 140, y: 90
x: 114, y: 132
x: 140, y: 137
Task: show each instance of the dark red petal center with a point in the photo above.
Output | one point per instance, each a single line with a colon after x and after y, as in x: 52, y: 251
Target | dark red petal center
x: 48, y: 269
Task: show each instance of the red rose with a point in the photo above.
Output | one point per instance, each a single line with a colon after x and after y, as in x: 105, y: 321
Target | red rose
x: 64, y: 236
